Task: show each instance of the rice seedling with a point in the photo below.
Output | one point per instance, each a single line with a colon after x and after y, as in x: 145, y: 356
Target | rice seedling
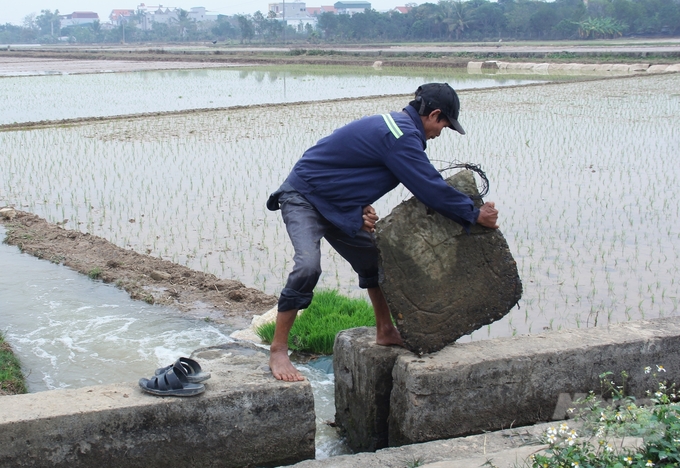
x: 315, y: 329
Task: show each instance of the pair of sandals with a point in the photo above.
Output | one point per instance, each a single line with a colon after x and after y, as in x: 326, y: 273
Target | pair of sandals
x: 181, y: 378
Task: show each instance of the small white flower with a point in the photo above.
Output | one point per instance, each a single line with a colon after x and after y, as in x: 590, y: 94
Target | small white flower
x: 649, y: 463
x: 660, y: 368
x: 629, y: 460
x: 552, y: 438
x: 575, y: 465
x: 563, y: 428
x: 552, y: 430
x: 648, y: 370
x: 658, y: 394
x: 609, y: 448
x: 571, y: 410
x: 619, y: 416
x: 602, y: 417
x: 662, y: 386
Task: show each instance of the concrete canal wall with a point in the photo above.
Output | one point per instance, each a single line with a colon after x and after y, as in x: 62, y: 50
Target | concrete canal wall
x: 385, y: 396
x: 391, y: 397
x: 244, y: 418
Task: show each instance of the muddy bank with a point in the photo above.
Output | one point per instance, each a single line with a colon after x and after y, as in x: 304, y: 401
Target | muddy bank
x: 146, y: 278
x: 433, y: 55
x: 241, y: 58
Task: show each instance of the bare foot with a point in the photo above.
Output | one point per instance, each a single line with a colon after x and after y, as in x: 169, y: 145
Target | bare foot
x: 388, y: 335
x: 282, y: 368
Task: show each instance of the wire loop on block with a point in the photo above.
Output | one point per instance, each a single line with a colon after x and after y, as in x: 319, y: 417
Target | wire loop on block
x: 484, y: 189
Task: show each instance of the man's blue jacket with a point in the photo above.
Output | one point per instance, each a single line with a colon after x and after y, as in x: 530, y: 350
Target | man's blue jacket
x: 362, y: 161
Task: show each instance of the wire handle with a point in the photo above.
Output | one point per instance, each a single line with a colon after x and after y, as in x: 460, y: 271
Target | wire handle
x: 474, y: 168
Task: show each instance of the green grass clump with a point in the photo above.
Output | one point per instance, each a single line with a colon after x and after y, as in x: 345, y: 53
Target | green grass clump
x: 315, y: 329
x: 95, y: 273
x: 11, y: 379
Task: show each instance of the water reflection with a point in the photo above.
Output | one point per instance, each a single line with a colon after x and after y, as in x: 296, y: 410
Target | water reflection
x: 108, y: 94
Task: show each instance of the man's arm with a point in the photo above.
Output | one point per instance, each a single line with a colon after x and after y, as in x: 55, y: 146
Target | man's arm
x: 410, y: 165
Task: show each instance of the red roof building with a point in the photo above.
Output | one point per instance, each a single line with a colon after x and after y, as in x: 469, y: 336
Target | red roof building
x: 117, y: 15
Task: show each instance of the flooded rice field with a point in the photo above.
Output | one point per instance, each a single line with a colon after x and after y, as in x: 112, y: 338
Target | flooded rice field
x: 583, y: 173
x: 69, y: 96
x: 573, y: 167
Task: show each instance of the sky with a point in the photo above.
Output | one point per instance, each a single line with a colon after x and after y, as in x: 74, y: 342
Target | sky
x: 15, y: 12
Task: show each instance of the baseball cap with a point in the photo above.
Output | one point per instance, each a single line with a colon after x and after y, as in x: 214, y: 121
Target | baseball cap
x: 440, y: 96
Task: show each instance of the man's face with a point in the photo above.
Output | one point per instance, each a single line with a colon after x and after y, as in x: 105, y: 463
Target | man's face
x: 433, y: 128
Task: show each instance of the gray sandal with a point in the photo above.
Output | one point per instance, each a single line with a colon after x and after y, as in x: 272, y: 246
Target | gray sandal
x: 191, y: 368
x: 172, y: 382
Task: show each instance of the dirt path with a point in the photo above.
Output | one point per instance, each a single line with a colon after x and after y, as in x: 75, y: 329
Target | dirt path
x: 144, y: 277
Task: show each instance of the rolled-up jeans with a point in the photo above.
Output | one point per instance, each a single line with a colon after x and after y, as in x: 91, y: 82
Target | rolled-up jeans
x: 306, y: 226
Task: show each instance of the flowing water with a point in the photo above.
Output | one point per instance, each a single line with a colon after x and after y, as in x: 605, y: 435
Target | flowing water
x: 69, y: 331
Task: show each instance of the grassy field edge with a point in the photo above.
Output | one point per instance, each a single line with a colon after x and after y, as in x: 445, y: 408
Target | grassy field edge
x: 12, y: 381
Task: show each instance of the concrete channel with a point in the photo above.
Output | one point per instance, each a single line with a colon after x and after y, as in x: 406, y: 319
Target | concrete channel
x: 466, y: 405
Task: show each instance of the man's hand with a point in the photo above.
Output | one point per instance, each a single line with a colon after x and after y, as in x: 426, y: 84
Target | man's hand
x: 370, y: 218
x: 488, y: 215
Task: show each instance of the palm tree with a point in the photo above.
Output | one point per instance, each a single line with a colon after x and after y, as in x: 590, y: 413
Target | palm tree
x: 460, y: 22
x: 184, y: 23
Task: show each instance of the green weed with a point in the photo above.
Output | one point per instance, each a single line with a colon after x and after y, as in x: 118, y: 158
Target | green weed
x: 95, y: 273
x: 607, y: 424
x: 11, y: 379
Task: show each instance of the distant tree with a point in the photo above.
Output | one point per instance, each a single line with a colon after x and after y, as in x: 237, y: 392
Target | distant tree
x: 518, y: 20
x: 185, y: 25
x: 328, y: 24
x: 79, y: 33
x: 97, y: 32
x: 48, y: 22
x: 247, y: 28
x: 424, y: 18
x: 29, y: 22
x: 489, y: 20
x: 224, y: 28
x: 460, y: 18
x: 543, y: 20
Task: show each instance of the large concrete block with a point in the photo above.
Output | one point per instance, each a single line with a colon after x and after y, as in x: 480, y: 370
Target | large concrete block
x: 501, y: 383
x: 245, y: 418
x: 363, y: 383
x: 440, y: 282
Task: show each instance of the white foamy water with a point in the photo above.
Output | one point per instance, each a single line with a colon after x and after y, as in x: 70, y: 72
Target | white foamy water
x: 69, y: 331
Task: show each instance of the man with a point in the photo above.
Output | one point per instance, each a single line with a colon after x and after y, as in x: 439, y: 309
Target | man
x: 329, y: 193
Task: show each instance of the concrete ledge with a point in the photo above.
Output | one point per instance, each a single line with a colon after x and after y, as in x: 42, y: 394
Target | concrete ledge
x: 568, y: 68
x: 363, y: 383
x: 487, y: 385
x: 245, y: 418
x: 502, y: 449
x: 495, y: 384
